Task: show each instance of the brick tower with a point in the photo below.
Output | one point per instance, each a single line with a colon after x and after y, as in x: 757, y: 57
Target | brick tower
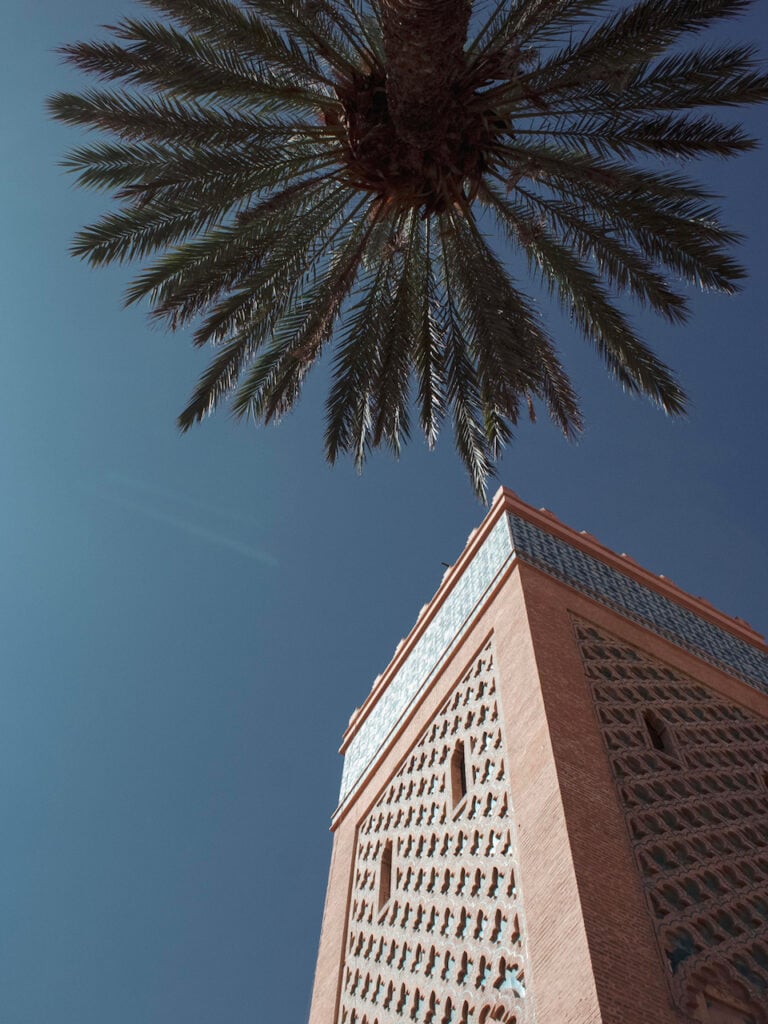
x: 554, y: 805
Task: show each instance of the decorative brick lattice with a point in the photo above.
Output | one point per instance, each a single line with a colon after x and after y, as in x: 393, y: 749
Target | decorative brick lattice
x: 435, y: 922
x: 692, y: 775
x: 657, y: 613
x: 515, y: 536
x: 431, y: 649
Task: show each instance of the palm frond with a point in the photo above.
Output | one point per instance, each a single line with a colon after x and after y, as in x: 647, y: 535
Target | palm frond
x: 626, y: 135
x: 620, y: 262
x: 671, y: 218
x: 273, y: 385
x: 391, y: 420
x: 358, y: 351
x: 516, y: 358
x: 632, y: 36
x: 221, y: 376
x: 725, y: 76
x: 277, y: 279
x: 187, y: 279
x: 311, y: 23
x: 543, y: 20
x: 243, y: 319
x: 228, y: 25
x: 463, y: 395
x: 581, y: 294
x: 428, y: 355
x: 143, y: 173
x: 188, y: 66
x: 166, y: 118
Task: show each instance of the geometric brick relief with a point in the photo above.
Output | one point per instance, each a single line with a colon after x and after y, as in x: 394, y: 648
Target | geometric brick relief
x: 435, y: 926
x: 691, y: 771
x: 641, y: 603
x: 441, y: 635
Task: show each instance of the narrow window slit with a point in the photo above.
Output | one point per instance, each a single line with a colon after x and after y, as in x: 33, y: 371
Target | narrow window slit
x: 458, y: 774
x: 385, y: 875
x: 660, y: 735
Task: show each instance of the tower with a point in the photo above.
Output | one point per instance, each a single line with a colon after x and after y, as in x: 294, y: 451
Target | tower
x: 554, y: 802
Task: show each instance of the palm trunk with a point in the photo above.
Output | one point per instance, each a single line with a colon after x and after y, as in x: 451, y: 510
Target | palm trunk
x: 424, y: 44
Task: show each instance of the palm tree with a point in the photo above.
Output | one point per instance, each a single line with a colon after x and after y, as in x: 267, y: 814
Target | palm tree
x: 362, y: 174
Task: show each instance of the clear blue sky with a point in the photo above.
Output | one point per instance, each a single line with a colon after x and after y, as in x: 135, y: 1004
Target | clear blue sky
x: 187, y: 622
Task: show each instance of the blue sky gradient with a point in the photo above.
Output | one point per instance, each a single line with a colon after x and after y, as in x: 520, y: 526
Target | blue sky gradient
x: 187, y: 622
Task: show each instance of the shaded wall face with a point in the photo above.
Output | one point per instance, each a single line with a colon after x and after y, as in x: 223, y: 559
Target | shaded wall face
x: 435, y: 927
x: 691, y: 773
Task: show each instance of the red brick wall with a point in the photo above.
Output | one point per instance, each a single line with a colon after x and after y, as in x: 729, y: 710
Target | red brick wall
x: 560, y: 968
x: 593, y: 955
x: 626, y: 955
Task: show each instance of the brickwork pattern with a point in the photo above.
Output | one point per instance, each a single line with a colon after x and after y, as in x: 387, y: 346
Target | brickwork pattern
x: 440, y: 637
x: 624, y: 594
x: 691, y: 770
x: 435, y: 930
x: 512, y: 536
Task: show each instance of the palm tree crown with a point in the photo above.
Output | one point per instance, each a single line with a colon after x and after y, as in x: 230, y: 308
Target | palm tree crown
x: 355, y: 172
